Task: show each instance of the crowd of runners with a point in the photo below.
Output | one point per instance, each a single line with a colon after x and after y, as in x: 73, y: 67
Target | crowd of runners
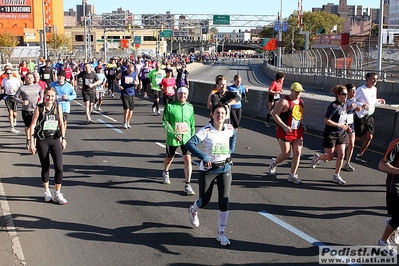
x: 45, y: 91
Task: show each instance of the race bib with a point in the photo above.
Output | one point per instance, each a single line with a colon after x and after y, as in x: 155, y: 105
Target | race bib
x: 88, y: 82
x: 276, y: 96
x: 129, y: 80
x: 51, y: 125
x: 295, y: 124
x: 220, y: 148
x: 349, y: 119
x: 111, y: 72
x: 24, y: 73
x: 181, y: 128
x: 170, y: 91
x: 46, y: 76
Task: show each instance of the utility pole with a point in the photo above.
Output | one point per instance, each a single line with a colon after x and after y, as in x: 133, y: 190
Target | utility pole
x: 84, y: 2
x: 44, y: 33
x: 380, y: 29
x: 280, y: 34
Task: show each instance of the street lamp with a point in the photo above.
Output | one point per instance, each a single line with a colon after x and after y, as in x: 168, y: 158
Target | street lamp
x: 44, y: 33
x: 280, y: 34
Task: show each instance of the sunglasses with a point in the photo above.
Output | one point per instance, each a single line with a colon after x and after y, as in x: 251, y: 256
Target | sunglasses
x: 343, y: 94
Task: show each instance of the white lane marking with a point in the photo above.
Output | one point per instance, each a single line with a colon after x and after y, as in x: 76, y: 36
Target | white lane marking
x: 110, y: 126
x: 301, y: 234
x: 163, y: 146
x: 16, y: 245
x: 106, y: 116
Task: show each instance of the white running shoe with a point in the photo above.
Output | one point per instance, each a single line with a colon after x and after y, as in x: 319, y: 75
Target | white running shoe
x: 224, y: 241
x: 165, y: 176
x: 188, y: 190
x: 338, y: 179
x: 153, y: 109
x: 272, y: 166
x: 125, y: 125
x: 47, y: 196
x: 99, y: 109
x: 128, y: 125
x: 193, y: 217
x: 13, y: 130
x: 394, y: 238
x: 58, y: 197
x: 315, y: 160
x: 294, y: 179
x: 95, y: 106
x: 159, y: 113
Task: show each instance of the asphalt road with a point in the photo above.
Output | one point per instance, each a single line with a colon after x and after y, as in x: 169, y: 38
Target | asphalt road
x: 120, y: 213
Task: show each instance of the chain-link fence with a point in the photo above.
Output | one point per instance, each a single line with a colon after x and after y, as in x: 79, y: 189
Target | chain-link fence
x: 348, y: 61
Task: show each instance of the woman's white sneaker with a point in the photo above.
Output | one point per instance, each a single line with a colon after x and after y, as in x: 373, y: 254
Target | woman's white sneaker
x: 58, y: 197
x: 224, y: 241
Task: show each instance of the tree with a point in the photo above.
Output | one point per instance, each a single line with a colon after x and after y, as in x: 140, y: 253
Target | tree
x: 60, y: 43
x: 313, y: 22
x: 7, y: 43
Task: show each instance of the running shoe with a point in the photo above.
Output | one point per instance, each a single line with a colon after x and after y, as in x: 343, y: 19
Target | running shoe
x: 95, y: 106
x: 294, y: 179
x: 315, y: 160
x: 159, y: 113
x: 338, y: 179
x: 272, y: 166
x: 394, y: 238
x: 128, y: 125
x: 193, y: 217
x: 113, y: 95
x: 13, y: 130
x: 153, y: 109
x: 47, y: 196
x: 58, y: 197
x: 224, y: 241
x: 348, y: 167
x: 359, y: 157
x: 165, y: 176
x: 125, y: 125
x: 188, y: 190
x: 89, y: 122
x: 267, y: 124
x: 386, y: 245
x: 99, y: 109
x: 145, y: 97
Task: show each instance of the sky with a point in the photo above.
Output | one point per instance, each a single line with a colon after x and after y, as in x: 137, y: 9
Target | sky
x: 246, y: 7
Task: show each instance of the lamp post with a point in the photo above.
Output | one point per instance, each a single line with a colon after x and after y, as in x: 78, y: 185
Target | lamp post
x: 44, y: 33
x: 280, y: 34
x: 84, y: 2
x: 380, y: 29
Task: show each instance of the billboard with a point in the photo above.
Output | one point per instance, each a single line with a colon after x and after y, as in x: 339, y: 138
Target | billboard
x: 16, y: 9
x: 330, y: 40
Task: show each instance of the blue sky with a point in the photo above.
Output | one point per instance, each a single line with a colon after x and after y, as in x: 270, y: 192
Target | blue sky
x: 246, y: 7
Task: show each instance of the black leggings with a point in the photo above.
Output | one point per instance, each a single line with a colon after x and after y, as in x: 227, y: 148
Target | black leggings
x: 205, y: 182
x: 111, y: 85
x: 44, y: 148
x: 235, y: 116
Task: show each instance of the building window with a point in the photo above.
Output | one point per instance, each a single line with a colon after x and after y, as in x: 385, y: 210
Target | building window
x: 79, y: 38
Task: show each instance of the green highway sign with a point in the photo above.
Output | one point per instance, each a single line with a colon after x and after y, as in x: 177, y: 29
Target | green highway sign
x: 100, y: 40
x: 137, y: 39
x: 221, y: 19
x: 166, y: 33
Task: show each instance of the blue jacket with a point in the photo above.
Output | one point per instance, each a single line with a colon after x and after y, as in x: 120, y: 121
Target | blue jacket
x: 65, y: 89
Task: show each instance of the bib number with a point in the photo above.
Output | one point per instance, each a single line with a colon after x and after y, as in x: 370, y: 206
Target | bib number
x: 181, y: 128
x: 50, y: 125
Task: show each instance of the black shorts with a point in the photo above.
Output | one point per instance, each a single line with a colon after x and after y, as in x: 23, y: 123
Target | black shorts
x: 89, y: 96
x: 127, y: 102
x: 271, y: 98
x: 366, y: 123
x: 11, y: 103
x: 332, y: 139
x: 65, y: 116
x: 171, y: 150
x: 27, y: 117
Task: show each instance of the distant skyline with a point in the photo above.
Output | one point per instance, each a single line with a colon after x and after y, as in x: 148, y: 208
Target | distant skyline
x: 248, y: 7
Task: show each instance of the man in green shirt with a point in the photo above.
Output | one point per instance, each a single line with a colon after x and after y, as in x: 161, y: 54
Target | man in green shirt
x: 31, y: 66
x: 156, y: 75
x: 178, y: 121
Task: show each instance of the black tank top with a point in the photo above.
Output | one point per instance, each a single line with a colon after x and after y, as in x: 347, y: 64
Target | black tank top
x: 47, y: 123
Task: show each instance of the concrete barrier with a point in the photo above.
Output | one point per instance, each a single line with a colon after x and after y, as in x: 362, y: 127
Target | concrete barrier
x: 386, y: 117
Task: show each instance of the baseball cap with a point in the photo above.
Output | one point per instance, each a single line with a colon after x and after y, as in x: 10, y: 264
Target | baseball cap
x: 296, y: 86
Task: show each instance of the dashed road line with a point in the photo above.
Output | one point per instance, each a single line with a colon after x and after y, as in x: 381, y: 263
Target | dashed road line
x: 110, y: 126
x: 301, y: 234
